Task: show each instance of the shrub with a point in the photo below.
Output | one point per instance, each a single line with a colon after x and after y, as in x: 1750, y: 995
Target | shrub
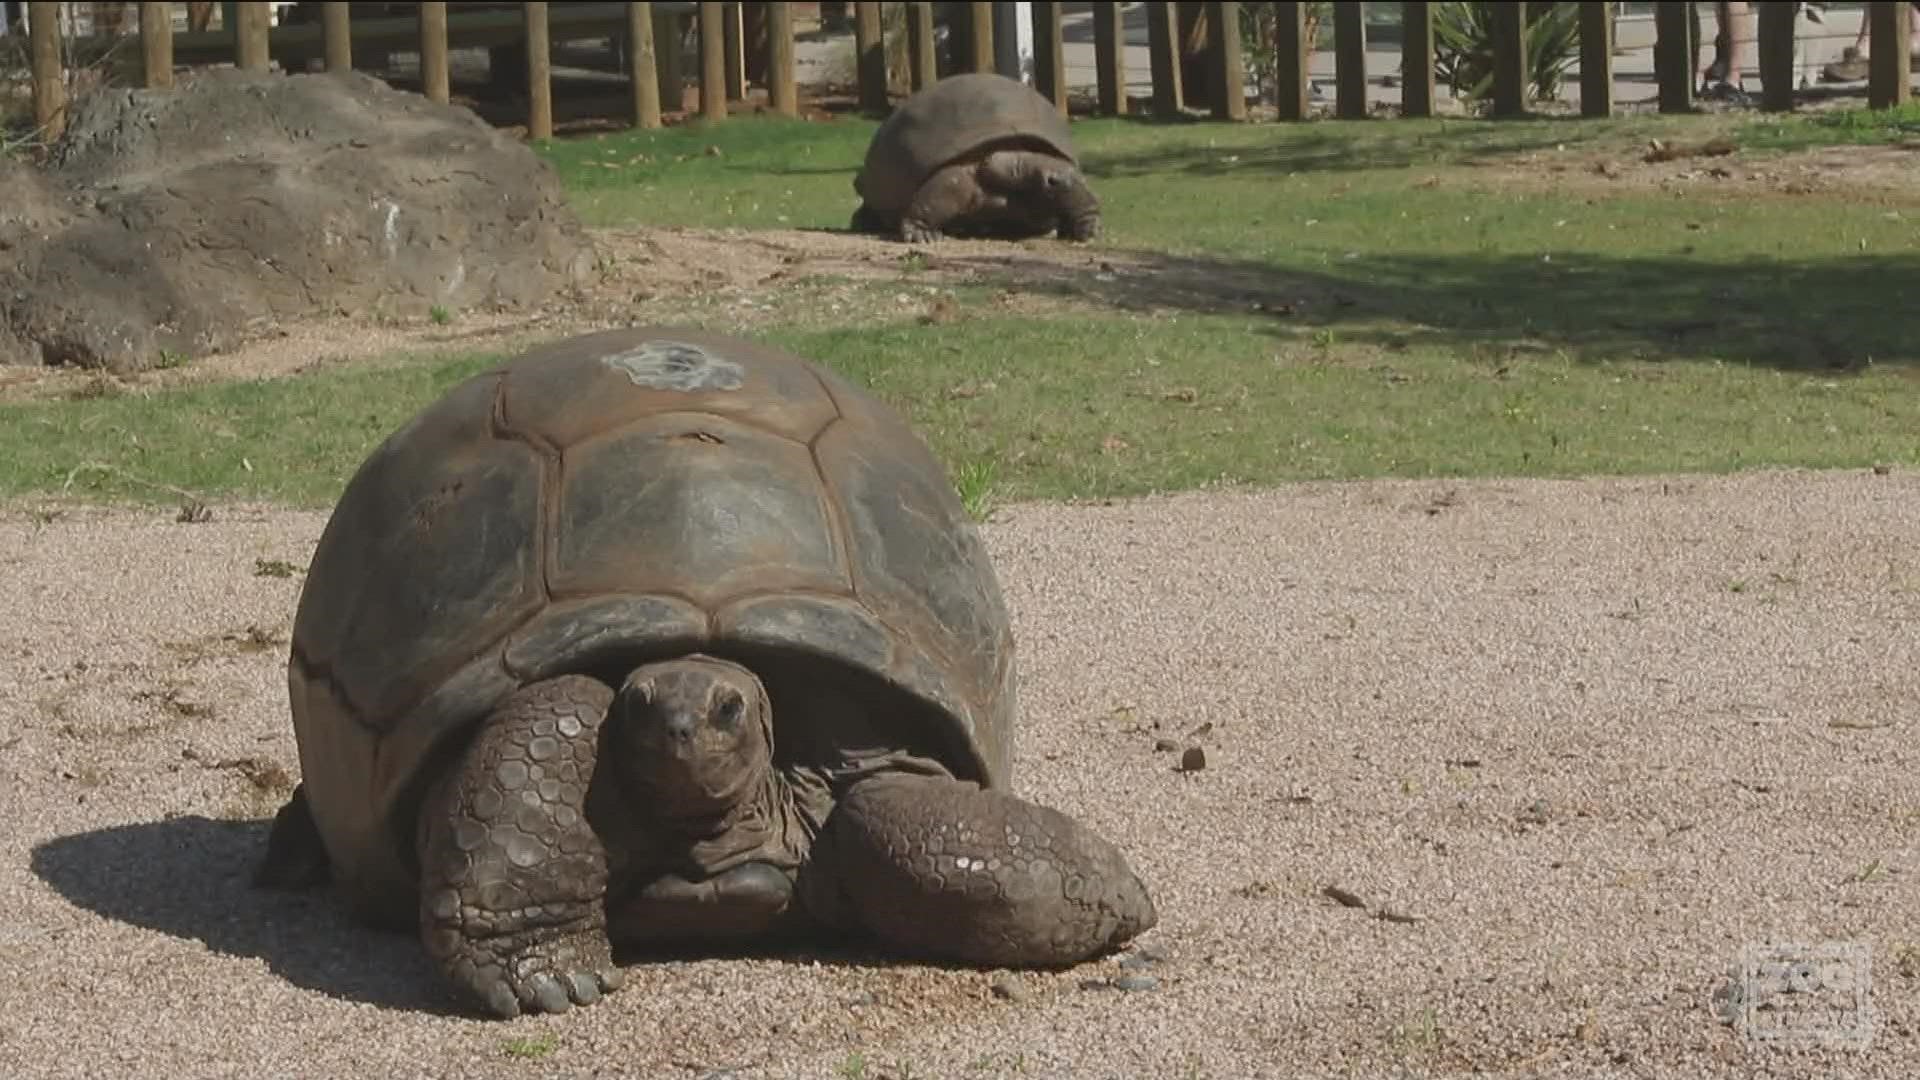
x: 1463, y: 45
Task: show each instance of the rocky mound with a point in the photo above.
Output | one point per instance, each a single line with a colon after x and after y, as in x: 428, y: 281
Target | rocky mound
x: 175, y: 222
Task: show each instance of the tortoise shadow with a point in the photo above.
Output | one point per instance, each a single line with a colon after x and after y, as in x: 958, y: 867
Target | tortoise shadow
x: 190, y: 877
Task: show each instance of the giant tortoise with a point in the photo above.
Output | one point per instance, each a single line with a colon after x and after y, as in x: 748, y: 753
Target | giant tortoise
x: 974, y: 155
x: 660, y: 638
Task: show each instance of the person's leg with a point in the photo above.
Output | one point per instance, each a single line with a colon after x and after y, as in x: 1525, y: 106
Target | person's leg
x: 1853, y: 62
x: 1738, y: 31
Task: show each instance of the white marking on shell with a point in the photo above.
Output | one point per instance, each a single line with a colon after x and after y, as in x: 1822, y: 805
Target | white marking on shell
x: 676, y: 365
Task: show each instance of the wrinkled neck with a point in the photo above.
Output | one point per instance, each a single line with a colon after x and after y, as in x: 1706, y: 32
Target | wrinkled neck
x: 763, y: 825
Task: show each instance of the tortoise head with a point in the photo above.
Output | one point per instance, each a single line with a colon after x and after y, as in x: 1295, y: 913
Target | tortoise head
x: 1046, y: 186
x: 694, y: 733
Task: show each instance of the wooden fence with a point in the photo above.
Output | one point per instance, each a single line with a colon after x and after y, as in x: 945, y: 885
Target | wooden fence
x: 250, y: 43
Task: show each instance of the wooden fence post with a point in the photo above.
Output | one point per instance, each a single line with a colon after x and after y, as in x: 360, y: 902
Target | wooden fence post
x: 434, y: 74
x: 156, y: 44
x: 1290, y: 63
x: 1596, y: 58
x: 923, y: 67
x: 713, y: 61
x: 642, y: 73
x: 979, y: 37
x: 1229, y: 79
x: 1509, y: 60
x: 870, y: 56
x: 1350, y: 61
x: 780, y: 85
x: 1049, y: 56
x: 1673, y: 56
x: 735, y: 27
x: 1417, y: 82
x: 336, y: 31
x: 1109, y: 60
x: 539, y: 71
x: 49, y: 70
x: 1776, y: 57
x: 252, y: 22
x: 667, y: 39
x: 1889, y: 78
x: 1163, y: 54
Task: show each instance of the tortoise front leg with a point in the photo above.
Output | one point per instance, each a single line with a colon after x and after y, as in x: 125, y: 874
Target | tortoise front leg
x: 949, y: 195
x: 942, y: 867
x: 512, y: 876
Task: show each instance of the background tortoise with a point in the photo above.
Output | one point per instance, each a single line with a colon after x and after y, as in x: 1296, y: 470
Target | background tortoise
x: 662, y: 637
x: 974, y: 155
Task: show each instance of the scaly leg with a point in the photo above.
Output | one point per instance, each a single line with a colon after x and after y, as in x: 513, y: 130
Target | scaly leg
x: 949, y: 194
x: 512, y: 876
x: 942, y: 867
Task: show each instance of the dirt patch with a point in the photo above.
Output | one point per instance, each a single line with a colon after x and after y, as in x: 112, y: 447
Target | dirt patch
x: 734, y: 279
x: 1712, y: 164
x: 168, y: 225
x: 1501, y: 790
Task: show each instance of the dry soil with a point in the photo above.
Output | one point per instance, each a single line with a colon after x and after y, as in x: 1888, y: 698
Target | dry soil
x: 1500, y: 778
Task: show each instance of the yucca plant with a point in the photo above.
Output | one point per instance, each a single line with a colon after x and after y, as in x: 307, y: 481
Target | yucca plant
x: 1463, y: 45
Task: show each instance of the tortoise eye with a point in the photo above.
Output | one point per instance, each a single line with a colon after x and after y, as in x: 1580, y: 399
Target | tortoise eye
x: 730, y: 709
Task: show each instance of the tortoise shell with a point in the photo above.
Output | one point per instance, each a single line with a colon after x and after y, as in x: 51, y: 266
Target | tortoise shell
x: 619, y: 497
x: 960, y: 116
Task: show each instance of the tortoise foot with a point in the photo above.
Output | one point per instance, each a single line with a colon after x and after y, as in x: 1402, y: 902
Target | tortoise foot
x: 1080, y: 229
x: 940, y: 867
x: 915, y: 232
x: 748, y: 901
x: 512, y: 876
x: 531, y: 968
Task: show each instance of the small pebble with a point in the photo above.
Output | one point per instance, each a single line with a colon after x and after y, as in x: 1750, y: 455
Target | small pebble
x: 1193, y: 759
x: 1163, y: 746
x: 1008, y: 988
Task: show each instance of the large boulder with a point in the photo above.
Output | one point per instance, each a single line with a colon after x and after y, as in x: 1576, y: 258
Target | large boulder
x: 176, y: 221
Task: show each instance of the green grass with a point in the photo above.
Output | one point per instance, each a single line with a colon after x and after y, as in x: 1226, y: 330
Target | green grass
x: 749, y: 172
x: 1843, y: 127
x: 1327, y: 300
x: 530, y: 1047
x: 1170, y: 404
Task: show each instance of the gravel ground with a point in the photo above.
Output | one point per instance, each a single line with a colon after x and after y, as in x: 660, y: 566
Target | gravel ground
x: 1563, y: 747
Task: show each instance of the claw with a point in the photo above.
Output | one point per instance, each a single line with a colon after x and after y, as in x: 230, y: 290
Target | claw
x: 545, y: 992
x: 584, y: 988
x: 502, y: 1002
